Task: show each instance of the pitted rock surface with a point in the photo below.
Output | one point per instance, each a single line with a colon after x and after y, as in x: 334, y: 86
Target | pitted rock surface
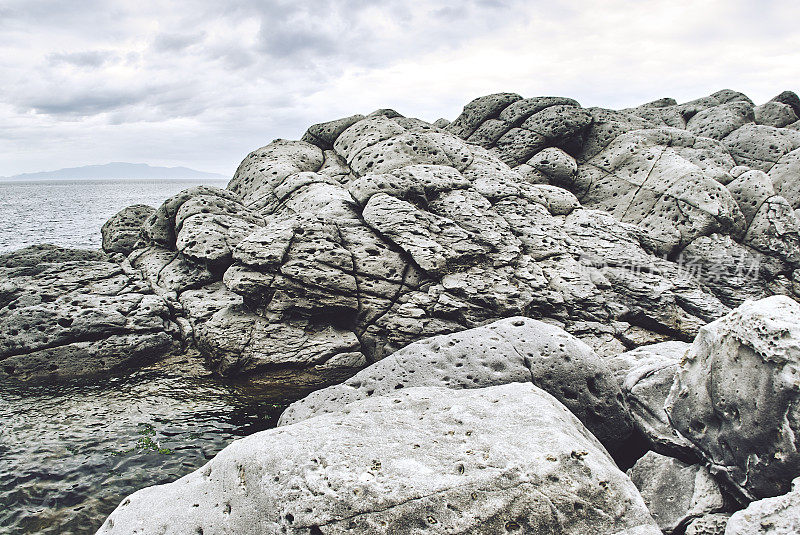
x: 124, y: 229
x: 508, y: 458
x: 736, y: 393
x: 510, y: 350
x: 623, y: 227
x: 68, y: 313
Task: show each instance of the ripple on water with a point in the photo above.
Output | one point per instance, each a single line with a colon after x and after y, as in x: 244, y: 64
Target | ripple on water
x: 69, y: 454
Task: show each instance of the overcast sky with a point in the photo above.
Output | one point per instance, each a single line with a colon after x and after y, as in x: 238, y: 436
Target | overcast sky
x: 203, y: 83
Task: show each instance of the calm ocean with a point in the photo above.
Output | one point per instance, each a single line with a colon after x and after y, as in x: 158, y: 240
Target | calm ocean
x: 70, y: 212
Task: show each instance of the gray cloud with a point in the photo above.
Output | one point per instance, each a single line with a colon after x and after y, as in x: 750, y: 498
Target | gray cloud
x: 174, y: 42
x: 202, y: 83
x: 88, y: 58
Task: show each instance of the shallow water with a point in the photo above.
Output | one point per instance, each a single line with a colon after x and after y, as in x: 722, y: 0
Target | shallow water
x: 70, y: 454
x: 70, y: 213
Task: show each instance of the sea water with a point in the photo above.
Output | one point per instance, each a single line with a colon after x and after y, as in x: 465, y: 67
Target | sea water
x: 70, y: 213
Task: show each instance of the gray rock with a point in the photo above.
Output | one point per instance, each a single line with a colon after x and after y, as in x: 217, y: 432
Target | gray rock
x: 784, y: 177
x: 774, y: 516
x: 675, y: 492
x: 556, y: 165
x: 399, y: 230
x: 519, y: 111
x: 506, y: 458
x: 735, y: 396
x: 67, y: 314
x: 254, y: 182
x: 169, y: 271
x: 719, y: 121
x: 479, y: 110
x: 385, y: 112
x: 750, y: 190
x: 509, y: 350
x: 560, y: 125
x: 518, y: 145
x: 791, y: 99
x: 725, y: 96
x: 732, y: 271
x: 645, y: 356
x: 324, y: 135
x: 775, y: 114
x: 124, y: 229
x: 45, y: 253
x: 645, y: 181
x: 759, y: 146
x: 710, y: 524
x: 435, y: 243
x: 646, y: 375
x: 775, y: 231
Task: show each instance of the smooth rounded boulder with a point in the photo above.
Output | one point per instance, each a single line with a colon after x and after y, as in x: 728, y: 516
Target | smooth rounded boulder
x: 505, y: 459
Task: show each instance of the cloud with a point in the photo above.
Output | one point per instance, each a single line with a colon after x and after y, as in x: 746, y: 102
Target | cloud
x: 175, y: 42
x: 88, y: 58
x: 202, y: 83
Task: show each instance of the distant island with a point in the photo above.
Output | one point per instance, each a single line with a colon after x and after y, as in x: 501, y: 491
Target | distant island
x: 115, y: 170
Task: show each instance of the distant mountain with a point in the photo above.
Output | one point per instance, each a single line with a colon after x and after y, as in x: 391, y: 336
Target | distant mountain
x: 115, y: 170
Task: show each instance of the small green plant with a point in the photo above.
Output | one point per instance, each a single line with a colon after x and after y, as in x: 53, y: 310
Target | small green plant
x: 145, y: 442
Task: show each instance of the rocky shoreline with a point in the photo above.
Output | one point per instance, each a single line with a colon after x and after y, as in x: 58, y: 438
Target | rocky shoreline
x: 507, y: 310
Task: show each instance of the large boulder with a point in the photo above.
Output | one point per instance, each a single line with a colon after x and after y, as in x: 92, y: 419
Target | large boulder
x: 124, y: 229
x: 736, y: 396
x: 508, y: 458
x: 68, y: 314
x: 771, y: 516
x: 510, y: 350
x: 675, y: 492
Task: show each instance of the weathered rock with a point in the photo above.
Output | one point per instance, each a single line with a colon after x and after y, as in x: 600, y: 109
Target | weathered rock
x: 774, y: 516
x: 791, y: 99
x: 775, y: 114
x: 719, y: 121
x: 735, y: 396
x: 710, y: 524
x: 32, y: 256
x: 675, y: 492
x: 558, y: 167
x: 643, y: 180
x: 503, y: 459
x: 123, y: 230
x: 784, y: 177
x: 384, y: 230
x: 169, y: 271
x: 734, y: 272
x: 759, y: 146
x: 509, y: 350
x: 255, y: 180
x: 478, y: 111
x: 775, y: 231
x: 324, y: 135
x: 646, y: 375
x: 67, y: 314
